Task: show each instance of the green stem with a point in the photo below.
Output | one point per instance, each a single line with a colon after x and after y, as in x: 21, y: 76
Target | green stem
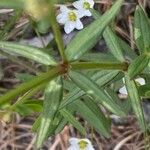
x: 95, y: 65
x: 27, y: 95
x: 21, y: 89
x: 56, y: 31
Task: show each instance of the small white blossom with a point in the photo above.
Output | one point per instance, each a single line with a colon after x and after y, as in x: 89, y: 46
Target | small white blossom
x: 70, y: 19
x: 123, y: 90
x: 80, y: 144
x: 83, y: 6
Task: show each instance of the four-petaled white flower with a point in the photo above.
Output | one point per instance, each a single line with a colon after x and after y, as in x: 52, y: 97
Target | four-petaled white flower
x: 123, y: 90
x: 70, y: 18
x: 83, y: 6
x: 80, y: 144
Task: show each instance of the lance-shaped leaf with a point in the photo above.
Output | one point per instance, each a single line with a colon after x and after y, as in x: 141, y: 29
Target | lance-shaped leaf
x: 98, y: 57
x: 113, y: 44
x: 30, y: 86
x: 127, y: 51
x: 68, y: 116
x: 57, y: 125
x: 101, y: 78
x: 98, y: 95
x: 106, y: 122
x: 53, y: 96
x: 135, y: 100
x: 111, y: 39
x: 85, y: 39
x: 142, y: 30
x: 138, y: 65
x: 28, y: 52
x: 98, y: 121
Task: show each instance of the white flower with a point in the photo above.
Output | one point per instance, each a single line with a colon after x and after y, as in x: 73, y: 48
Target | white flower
x: 80, y: 144
x: 70, y: 19
x: 123, y: 90
x: 83, y: 6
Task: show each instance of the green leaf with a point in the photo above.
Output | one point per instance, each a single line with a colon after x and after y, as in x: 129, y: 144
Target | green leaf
x: 138, y: 65
x: 98, y: 122
x: 36, y: 124
x: 126, y: 107
x: 23, y: 110
x: 98, y: 95
x: 142, y: 30
x: 57, y: 125
x: 53, y: 96
x: 135, y: 100
x: 111, y: 39
x: 11, y: 4
x: 23, y: 77
x: 113, y: 44
x: 73, y: 121
x: 29, y: 107
x: 127, y: 51
x: 85, y: 39
x: 98, y: 57
x: 106, y: 122
x: 101, y: 78
x: 28, y: 52
x: 34, y: 105
x: 144, y: 90
x: 25, y: 87
x: 43, y: 25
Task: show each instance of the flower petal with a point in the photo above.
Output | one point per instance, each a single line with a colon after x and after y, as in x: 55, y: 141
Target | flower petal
x: 87, y: 13
x: 90, y: 147
x: 78, y: 4
x: 69, y: 26
x: 62, y: 18
x: 141, y: 81
x: 123, y: 90
x: 63, y: 8
x: 73, y: 141
x: 91, y: 2
x: 79, y: 25
x: 72, y: 148
x: 79, y: 13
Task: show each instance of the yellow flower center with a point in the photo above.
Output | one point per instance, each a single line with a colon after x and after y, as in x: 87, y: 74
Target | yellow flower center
x: 86, y: 5
x: 72, y: 16
x: 82, y: 144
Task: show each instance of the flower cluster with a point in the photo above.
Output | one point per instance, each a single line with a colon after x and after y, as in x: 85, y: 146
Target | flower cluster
x: 70, y: 18
x: 80, y: 144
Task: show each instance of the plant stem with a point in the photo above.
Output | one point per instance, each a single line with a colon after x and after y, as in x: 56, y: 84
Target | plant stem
x: 21, y: 89
x: 95, y: 65
x: 56, y: 31
x: 27, y: 95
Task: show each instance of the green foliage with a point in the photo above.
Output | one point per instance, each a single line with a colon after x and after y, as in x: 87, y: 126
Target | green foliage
x: 138, y: 65
x: 135, y: 101
x: 76, y: 49
x: 98, y: 120
x: 92, y: 89
x: 111, y: 40
x: 53, y: 97
x: 142, y: 30
x: 28, y: 52
x: 81, y: 82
